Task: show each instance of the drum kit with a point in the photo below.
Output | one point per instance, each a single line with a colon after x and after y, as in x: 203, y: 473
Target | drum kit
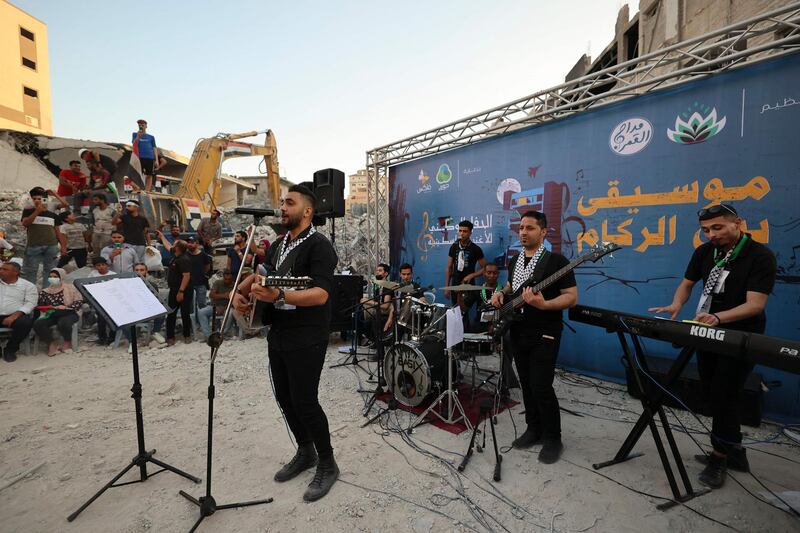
x: 416, y: 364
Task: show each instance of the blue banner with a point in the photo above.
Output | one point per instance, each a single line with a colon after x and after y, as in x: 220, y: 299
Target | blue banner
x: 633, y: 173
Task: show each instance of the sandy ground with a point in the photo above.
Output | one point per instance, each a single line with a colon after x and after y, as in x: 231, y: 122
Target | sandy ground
x: 72, y: 417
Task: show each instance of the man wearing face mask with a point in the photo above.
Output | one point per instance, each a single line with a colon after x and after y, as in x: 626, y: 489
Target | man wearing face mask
x: 134, y: 227
x: 378, y: 313
x: 59, y: 305
x: 119, y: 254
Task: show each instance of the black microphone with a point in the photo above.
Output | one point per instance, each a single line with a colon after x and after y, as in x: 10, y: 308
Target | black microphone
x: 256, y: 212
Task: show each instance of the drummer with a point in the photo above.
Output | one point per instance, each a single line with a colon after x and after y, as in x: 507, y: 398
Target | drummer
x: 378, y: 313
x: 482, y: 322
x: 406, y: 277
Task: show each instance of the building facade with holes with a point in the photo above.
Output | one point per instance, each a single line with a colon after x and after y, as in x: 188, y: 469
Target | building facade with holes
x: 25, y: 83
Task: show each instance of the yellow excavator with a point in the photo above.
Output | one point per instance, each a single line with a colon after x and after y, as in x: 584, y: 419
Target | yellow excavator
x: 202, y: 181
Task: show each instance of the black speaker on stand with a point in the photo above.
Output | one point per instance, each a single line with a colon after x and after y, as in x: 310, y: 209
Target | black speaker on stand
x: 329, y: 189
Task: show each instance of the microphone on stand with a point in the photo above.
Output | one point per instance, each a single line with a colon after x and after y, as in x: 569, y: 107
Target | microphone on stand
x: 256, y: 212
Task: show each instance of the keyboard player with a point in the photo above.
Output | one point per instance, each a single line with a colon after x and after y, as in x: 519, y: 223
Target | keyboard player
x: 737, y: 276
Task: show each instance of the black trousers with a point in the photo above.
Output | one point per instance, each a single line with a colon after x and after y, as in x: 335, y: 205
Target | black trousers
x: 185, y: 307
x: 20, y: 329
x: 535, y: 353
x: 102, y: 330
x: 295, y: 374
x: 78, y: 254
x: 62, y: 318
x: 723, y: 380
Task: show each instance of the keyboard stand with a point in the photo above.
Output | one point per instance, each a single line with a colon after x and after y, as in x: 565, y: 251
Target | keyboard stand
x: 652, y: 403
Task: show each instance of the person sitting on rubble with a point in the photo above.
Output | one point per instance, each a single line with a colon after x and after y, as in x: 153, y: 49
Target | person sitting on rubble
x: 93, y: 156
x: 98, y: 177
x: 6, y: 248
x: 60, y: 306
x: 101, y: 269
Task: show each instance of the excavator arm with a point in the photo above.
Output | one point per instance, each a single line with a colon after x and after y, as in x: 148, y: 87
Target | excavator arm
x: 202, y: 180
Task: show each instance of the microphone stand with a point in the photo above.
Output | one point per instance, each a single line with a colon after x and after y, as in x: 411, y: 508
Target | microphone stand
x: 207, y: 504
x: 354, y: 361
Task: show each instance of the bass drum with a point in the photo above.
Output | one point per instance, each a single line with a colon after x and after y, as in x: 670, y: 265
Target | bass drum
x: 412, y: 368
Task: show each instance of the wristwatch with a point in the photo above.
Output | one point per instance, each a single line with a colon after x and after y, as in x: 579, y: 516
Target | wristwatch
x: 281, y: 300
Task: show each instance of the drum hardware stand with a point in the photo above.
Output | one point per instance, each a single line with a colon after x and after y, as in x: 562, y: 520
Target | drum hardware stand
x: 352, y: 356
x: 143, y: 456
x: 207, y: 504
x: 486, y: 407
x: 453, y: 402
x: 391, y: 404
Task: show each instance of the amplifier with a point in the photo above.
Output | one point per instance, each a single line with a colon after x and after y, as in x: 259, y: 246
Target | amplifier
x: 347, y: 292
x: 689, y: 389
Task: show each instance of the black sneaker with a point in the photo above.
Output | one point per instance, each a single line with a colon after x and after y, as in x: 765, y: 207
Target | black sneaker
x: 527, y: 439
x: 551, y: 451
x: 304, y: 458
x: 10, y: 356
x: 326, y: 475
x: 737, y: 460
x: 715, y: 472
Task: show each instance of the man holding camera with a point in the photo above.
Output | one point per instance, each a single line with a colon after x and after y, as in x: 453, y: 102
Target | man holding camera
x: 44, y: 237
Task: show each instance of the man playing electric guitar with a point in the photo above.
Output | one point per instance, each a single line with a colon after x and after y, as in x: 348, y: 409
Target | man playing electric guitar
x: 536, y: 336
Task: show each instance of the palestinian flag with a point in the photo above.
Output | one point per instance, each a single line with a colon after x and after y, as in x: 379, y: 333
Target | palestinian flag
x: 113, y: 188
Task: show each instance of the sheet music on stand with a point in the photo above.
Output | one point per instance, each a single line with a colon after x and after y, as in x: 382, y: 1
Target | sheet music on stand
x: 124, y: 299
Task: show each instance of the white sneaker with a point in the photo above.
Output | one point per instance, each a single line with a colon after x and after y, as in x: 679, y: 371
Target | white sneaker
x: 130, y: 348
x: 159, y: 338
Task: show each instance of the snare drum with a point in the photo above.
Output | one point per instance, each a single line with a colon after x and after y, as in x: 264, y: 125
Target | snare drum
x: 413, y: 367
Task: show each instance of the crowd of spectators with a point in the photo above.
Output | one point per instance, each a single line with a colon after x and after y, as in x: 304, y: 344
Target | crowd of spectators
x: 84, y: 225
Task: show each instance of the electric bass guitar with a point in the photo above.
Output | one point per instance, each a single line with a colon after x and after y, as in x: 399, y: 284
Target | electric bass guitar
x: 507, y: 313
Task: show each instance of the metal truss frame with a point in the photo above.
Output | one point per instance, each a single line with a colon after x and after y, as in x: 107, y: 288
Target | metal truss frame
x: 765, y: 36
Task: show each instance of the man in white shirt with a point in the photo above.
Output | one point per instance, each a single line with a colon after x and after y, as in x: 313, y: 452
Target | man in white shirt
x: 121, y: 255
x: 18, y: 297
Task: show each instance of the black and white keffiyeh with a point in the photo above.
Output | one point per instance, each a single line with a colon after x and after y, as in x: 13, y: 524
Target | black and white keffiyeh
x: 521, y: 271
x: 286, y: 250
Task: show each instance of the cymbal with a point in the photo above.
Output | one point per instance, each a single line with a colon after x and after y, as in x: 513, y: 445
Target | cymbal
x: 385, y: 283
x: 407, y: 289
x: 464, y: 287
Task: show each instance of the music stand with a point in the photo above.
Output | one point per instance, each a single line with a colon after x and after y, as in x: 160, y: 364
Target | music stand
x: 125, y: 300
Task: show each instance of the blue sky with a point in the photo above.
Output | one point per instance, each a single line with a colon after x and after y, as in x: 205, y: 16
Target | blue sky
x: 331, y: 79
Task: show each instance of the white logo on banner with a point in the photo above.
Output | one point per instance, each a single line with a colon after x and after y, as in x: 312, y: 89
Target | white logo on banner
x: 630, y: 136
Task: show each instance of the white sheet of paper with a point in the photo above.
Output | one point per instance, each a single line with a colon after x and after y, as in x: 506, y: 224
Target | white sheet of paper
x: 126, y: 300
x: 455, y: 327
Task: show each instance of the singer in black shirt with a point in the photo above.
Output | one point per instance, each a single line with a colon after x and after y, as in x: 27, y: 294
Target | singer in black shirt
x: 298, y: 339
